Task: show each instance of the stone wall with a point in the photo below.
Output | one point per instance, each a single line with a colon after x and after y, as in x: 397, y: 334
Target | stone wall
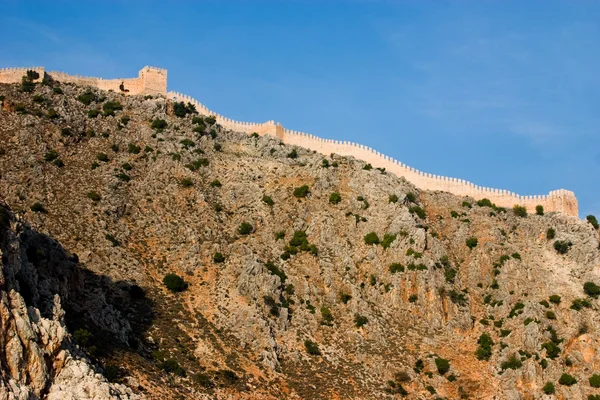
x: 557, y: 200
x: 150, y: 80
x: 153, y: 81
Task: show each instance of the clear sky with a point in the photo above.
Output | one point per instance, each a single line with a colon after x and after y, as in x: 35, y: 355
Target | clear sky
x: 505, y: 94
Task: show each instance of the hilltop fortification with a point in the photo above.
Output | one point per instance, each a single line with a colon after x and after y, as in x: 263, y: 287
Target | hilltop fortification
x: 153, y: 81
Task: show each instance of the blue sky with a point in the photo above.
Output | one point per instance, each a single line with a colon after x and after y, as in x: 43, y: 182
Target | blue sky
x: 505, y: 94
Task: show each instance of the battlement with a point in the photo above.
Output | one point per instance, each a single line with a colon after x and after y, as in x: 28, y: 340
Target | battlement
x: 153, y: 81
x: 150, y: 80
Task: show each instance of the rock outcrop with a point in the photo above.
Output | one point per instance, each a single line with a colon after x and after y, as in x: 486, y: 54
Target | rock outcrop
x: 305, y: 276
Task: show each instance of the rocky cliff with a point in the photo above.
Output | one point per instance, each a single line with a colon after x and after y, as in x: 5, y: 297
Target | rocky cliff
x: 154, y: 254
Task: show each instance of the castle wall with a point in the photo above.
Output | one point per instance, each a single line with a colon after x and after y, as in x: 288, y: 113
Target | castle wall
x: 153, y: 81
x: 15, y: 75
x: 150, y: 80
x: 557, y: 200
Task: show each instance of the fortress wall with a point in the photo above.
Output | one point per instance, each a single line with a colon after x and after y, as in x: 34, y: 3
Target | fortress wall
x: 558, y: 200
x: 15, y: 75
x: 153, y: 81
x: 150, y: 80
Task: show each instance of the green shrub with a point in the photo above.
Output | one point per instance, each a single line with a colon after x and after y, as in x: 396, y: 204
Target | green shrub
x: 38, y: 207
x: 413, y: 298
x: 293, y: 154
x: 59, y: 163
x: 579, y: 304
x: 549, y: 388
x: 484, y: 351
x: 539, y: 210
x: 173, y: 367
x: 245, y: 228
x: 123, y: 177
x: 110, y: 107
x: 279, y: 235
x: 175, y: 283
x: 418, y: 210
x: 457, y: 297
x: 57, y: 90
x: 274, y: 270
x: 484, y: 203
x: 555, y: 299
x: 562, y: 246
x: 552, y: 349
x: 102, y: 157
x: 442, y: 365
x: 186, y: 182
x: 410, y: 197
x: 335, y: 198
x: 595, y: 381
x: 51, y: 155
x: 301, y: 191
x: 312, y: 348
x: 87, y: 97
x: 360, y: 320
x: 513, y: 362
x: 591, y: 289
x: 52, y: 114
x: 387, y: 241
x: 396, y: 267
x: 592, y: 220
x: 268, y: 200
x: 368, y: 167
x: 210, y: 120
x: 550, y: 234
x: 125, y: 119
x: 345, y: 297
x: 197, y: 120
x: 327, y: 317
x: 567, y: 380
x: 113, y: 240
x: 93, y: 113
x: 216, y: 183
x: 95, y: 165
x: 218, y: 258
x: 550, y: 314
x: 187, y: 143
x: 371, y: 238
x: 471, y: 242
x: 115, y: 148
x: 82, y: 337
x: 127, y: 167
x: 158, y: 124
x: 133, y: 148
x: 520, y: 211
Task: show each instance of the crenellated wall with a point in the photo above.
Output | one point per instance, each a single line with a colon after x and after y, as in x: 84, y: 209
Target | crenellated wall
x: 150, y: 80
x: 153, y: 81
x: 557, y: 200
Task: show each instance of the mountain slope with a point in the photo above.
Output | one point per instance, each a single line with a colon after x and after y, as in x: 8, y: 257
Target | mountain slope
x: 137, y: 199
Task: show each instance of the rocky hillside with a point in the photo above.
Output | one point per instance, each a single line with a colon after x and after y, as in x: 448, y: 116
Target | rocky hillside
x: 148, y: 253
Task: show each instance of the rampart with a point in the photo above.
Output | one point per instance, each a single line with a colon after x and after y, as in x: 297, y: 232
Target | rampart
x: 153, y: 81
x: 557, y: 200
x: 150, y: 80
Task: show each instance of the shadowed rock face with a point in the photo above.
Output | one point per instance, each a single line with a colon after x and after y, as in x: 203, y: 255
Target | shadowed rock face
x: 361, y: 295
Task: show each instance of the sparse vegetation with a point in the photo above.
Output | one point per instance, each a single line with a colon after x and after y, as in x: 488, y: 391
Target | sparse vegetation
x: 567, y: 380
x: 312, y: 348
x: 592, y: 220
x: 591, y: 289
x: 539, y: 210
x: 335, y: 198
x: 360, y: 320
x: 301, y: 192
x: 562, y: 246
x: 268, y: 200
x: 442, y: 365
x: 175, y: 283
x: 371, y: 238
x: 520, y: 211
x: 550, y: 234
x: 471, y: 242
x: 38, y: 207
x: 484, y: 351
x: 245, y: 228
x: 218, y: 258
x: 549, y: 388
